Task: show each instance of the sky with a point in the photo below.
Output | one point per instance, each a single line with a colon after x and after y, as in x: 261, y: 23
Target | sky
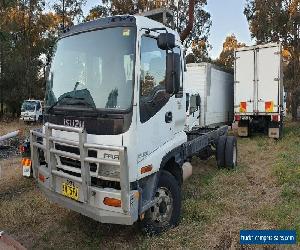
x: 227, y: 18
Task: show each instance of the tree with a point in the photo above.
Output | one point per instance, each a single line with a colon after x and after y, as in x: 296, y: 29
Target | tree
x: 27, y: 33
x: 226, y: 58
x: 69, y: 11
x: 279, y: 20
x: 97, y: 12
x: 199, y: 35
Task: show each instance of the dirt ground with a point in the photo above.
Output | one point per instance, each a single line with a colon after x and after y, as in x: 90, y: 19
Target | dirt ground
x: 217, y: 204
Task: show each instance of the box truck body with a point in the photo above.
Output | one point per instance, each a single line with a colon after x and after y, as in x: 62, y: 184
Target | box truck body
x: 259, y: 89
x: 215, y: 88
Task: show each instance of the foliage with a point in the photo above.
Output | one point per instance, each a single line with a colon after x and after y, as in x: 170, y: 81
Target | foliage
x: 279, y: 20
x: 69, y: 11
x: 226, y: 58
x: 27, y: 35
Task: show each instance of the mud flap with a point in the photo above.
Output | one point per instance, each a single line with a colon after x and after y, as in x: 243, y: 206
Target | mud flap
x: 274, y: 133
x: 243, y: 131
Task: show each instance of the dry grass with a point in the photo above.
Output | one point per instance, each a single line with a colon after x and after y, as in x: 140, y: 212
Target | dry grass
x: 6, y: 127
x: 216, y: 205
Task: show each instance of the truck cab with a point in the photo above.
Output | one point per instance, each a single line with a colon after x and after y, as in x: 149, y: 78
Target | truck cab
x: 113, y: 145
x: 31, y: 111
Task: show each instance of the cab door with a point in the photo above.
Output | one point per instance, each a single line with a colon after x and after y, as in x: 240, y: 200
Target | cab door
x: 245, y: 98
x: 157, y: 115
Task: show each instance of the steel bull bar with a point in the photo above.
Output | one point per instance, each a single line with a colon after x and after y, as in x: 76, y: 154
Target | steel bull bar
x: 48, y: 146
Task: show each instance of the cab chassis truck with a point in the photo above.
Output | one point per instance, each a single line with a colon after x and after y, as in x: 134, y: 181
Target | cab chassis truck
x: 114, y: 159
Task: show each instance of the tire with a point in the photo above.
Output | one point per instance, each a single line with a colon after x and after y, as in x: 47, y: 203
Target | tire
x: 220, y: 155
x: 165, y: 214
x: 281, y: 129
x: 204, y: 155
x: 231, y: 152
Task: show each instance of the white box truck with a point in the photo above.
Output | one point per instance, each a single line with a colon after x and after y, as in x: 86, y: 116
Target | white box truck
x: 214, y: 88
x: 259, y: 100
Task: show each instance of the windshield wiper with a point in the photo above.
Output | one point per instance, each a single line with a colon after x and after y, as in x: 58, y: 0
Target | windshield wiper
x: 57, y: 102
x: 76, y: 97
x: 79, y: 102
x: 76, y: 85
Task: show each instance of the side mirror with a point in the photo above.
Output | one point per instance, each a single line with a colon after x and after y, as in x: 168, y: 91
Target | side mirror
x: 173, y: 73
x: 166, y: 41
x: 187, y: 104
x: 198, y: 100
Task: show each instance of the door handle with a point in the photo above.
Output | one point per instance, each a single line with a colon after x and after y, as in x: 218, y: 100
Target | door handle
x: 168, y: 117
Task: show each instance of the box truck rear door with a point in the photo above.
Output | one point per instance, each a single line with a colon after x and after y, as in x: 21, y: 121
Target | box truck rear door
x: 268, y: 78
x: 244, y: 81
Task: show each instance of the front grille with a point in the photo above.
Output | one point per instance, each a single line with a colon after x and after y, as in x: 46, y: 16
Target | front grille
x: 73, y: 167
x: 74, y: 163
x: 73, y: 150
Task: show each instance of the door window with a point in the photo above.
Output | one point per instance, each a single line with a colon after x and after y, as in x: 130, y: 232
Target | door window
x: 153, y: 95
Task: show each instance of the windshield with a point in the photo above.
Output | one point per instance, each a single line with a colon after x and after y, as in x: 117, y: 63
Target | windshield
x: 99, y: 62
x: 28, y: 106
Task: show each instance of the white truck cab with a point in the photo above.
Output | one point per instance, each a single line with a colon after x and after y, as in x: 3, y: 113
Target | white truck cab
x: 31, y: 111
x: 113, y: 145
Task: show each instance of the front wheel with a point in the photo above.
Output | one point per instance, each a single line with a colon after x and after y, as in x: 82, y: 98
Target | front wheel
x: 165, y: 213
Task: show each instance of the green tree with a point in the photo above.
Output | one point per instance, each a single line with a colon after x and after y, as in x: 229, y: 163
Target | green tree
x: 27, y: 34
x: 69, y: 11
x: 279, y: 20
x: 226, y: 58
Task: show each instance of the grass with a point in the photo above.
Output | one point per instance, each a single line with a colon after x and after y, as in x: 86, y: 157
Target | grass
x: 263, y: 193
x: 286, y: 213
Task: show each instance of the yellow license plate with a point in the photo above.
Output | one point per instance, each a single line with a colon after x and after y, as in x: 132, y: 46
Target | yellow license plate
x: 70, y: 191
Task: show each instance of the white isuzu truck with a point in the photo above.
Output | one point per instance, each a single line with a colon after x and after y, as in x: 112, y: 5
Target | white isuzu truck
x: 113, y: 145
x: 32, y: 111
x: 259, y: 99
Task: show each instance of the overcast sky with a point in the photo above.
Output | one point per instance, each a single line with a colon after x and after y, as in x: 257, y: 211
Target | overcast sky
x: 227, y: 18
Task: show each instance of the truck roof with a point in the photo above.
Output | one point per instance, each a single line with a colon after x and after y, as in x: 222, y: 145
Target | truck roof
x: 117, y: 21
x: 260, y: 46
x: 211, y: 65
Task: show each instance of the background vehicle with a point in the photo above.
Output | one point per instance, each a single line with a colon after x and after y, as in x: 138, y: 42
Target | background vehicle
x: 32, y: 111
x: 113, y: 146
x: 213, y: 88
x: 259, y: 104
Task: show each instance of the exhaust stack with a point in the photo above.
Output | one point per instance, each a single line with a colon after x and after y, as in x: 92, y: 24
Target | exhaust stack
x: 190, y: 24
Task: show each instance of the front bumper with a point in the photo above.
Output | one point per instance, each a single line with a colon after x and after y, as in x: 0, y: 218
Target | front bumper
x: 27, y: 118
x: 90, y: 201
x: 98, y: 214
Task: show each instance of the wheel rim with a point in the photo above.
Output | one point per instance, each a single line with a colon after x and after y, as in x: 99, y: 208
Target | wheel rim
x: 161, y: 212
x: 234, y: 158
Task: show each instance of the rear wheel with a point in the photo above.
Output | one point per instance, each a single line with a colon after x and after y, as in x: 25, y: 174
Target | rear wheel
x: 231, y: 152
x: 165, y: 213
x: 220, y: 154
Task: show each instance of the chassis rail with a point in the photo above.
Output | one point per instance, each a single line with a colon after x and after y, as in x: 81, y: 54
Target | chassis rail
x: 201, y: 138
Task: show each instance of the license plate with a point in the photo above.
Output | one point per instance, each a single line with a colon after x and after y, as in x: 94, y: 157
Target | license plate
x: 70, y: 191
x: 26, y: 171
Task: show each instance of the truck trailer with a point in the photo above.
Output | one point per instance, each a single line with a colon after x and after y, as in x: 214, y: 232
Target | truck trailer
x: 214, y: 88
x: 259, y: 99
x: 113, y: 145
